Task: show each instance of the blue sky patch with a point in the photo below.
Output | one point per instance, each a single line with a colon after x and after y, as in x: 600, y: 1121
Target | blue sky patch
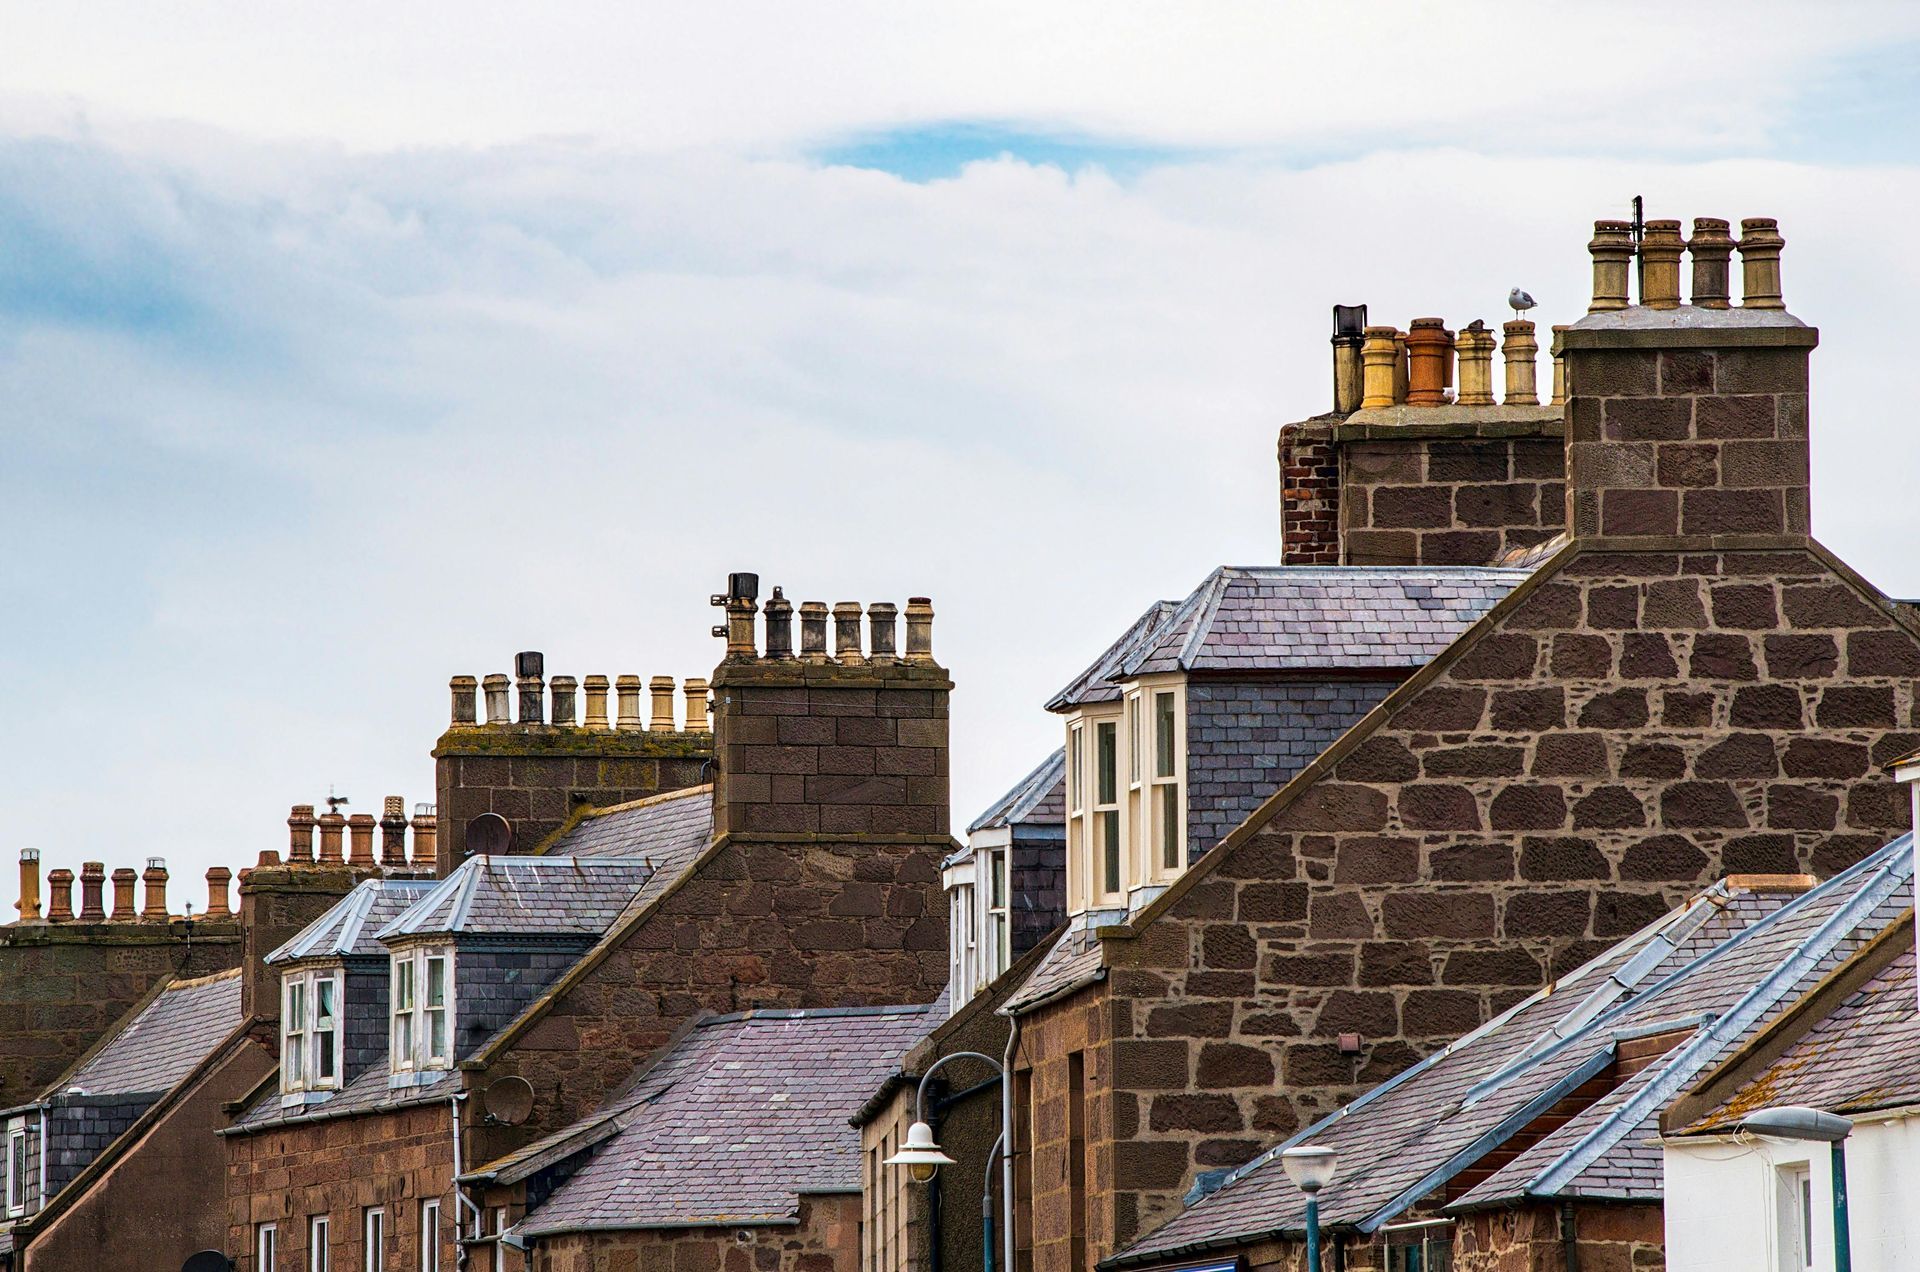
x: 933, y: 152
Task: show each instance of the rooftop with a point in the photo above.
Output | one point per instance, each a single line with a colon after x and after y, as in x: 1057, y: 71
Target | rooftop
x: 348, y: 929
x: 529, y: 896
x: 1039, y: 799
x: 150, y: 1054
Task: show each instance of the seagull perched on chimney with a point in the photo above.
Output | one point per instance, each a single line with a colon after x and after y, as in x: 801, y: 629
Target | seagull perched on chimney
x: 1520, y: 301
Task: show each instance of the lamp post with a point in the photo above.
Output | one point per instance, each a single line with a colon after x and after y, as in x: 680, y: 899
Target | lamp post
x: 1311, y: 1168
x: 1796, y: 1122
x: 923, y: 1157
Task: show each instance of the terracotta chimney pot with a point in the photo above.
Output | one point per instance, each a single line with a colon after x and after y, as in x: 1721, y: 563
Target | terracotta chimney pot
x: 426, y: 836
x: 331, y: 826
x: 300, y: 823
x: 1660, y: 249
x: 393, y: 833
x: 1399, y: 367
x: 360, y: 829
x: 1429, y: 351
x: 123, y: 908
x: 59, y: 896
x: 1521, y: 353
x: 29, y: 903
x: 155, y: 879
x: 93, y: 879
x: 219, y: 878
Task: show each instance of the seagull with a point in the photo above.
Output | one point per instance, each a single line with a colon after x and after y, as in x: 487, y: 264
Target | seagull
x: 1519, y: 301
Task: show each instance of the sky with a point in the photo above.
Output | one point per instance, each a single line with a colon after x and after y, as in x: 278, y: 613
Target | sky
x: 347, y: 347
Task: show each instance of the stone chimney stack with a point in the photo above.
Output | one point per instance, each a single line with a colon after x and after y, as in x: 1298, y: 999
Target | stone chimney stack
x: 1687, y: 423
x: 852, y: 743
x: 29, y: 904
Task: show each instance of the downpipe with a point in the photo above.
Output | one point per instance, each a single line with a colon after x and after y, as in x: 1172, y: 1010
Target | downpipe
x: 461, y: 1200
x: 1006, y: 1142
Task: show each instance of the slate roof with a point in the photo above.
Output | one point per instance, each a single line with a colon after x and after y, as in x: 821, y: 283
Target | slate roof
x: 1038, y: 799
x: 1863, y: 1055
x: 527, y: 896
x: 161, y: 1045
x: 731, y: 1125
x: 363, y: 1094
x: 1715, y: 970
x: 1073, y: 961
x: 1099, y: 682
x: 348, y: 928
x: 670, y: 827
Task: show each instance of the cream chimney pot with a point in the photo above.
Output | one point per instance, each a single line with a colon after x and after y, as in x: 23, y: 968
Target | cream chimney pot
x: 1521, y: 353
x: 696, y: 694
x: 498, y: 709
x: 661, y: 688
x: 1475, y: 351
x: 1377, y: 373
x: 627, y: 690
x: 1612, y: 251
x: 596, y: 690
x: 1760, y: 245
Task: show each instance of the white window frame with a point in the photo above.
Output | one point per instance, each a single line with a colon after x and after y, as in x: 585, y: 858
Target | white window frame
x: 17, y: 1170
x: 1167, y: 783
x: 430, y: 1235
x: 373, y: 1239
x: 266, y: 1247
x: 996, y: 943
x: 304, y: 1049
x: 1794, y: 1216
x: 499, y: 1245
x: 412, y: 1016
x: 1106, y: 833
x: 319, y: 1243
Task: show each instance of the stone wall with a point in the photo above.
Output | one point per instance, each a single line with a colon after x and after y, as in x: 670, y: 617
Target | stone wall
x: 1073, y: 1171
x: 1616, y: 1238
x: 1245, y: 739
x: 826, y: 1239
x: 1449, y: 500
x: 340, y: 1167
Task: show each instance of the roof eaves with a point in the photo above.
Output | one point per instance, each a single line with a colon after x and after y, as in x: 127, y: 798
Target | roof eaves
x: 1214, y: 592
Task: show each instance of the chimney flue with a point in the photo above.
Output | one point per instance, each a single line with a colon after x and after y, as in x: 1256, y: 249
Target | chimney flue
x: 696, y: 693
x: 426, y: 835
x: 1660, y: 249
x: 627, y: 690
x: 463, y: 689
x: 1349, y: 335
x: 1378, y: 353
x: 498, y: 709
x: 331, y: 824
x: 1429, y: 351
x: 1712, y: 250
x: 660, y: 688
x: 123, y: 908
x: 93, y: 880
x: 1760, y: 245
x: 846, y: 634
x: 813, y: 632
x: 219, y: 879
x: 883, y: 629
x: 360, y: 830
x: 1475, y: 346
x: 920, y: 631
x: 29, y: 903
x: 59, y: 896
x: 1521, y: 353
x: 779, y: 620
x: 596, y: 689
x: 1612, y: 249
x: 565, y: 691
x: 155, y: 879
x: 300, y: 823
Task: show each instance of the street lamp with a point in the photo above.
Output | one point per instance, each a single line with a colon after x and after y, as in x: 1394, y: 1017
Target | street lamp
x: 923, y: 1157
x: 1797, y: 1122
x: 1311, y: 1168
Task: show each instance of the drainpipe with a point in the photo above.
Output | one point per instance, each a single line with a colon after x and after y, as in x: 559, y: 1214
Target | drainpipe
x: 1006, y: 1137
x: 1842, y: 1238
x: 1569, y: 1244
x: 461, y: 1200
x: 40, y: 1203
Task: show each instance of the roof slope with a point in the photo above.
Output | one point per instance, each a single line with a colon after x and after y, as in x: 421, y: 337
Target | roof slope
x: 348, y: 928
x: 157, y: 1048
x: 525, y: 896
x: 1717, y: 968
x: 1039, y: 798
x: 1099, y: 682
x: 674, y: 826
x: 733, y: 1124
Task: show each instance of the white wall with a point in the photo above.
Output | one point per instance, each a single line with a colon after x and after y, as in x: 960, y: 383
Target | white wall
x: 1721, y: 1201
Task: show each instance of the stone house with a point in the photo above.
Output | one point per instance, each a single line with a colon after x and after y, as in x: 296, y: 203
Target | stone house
x: 1687, y: 685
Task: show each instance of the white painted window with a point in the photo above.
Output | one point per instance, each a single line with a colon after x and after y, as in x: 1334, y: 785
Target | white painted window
x: 430, y: 1236
x: 374, y: 1242
x: 499, y: 1246
x: 310, y: 1032
x: 1109, y: 857
x: 16, y: 1170
x: 421, y: 993
x: 266, y: 1248
x: 319, y: 1251
x: 1794, y: 1209
x: 999, y: 938
x: 1169, y: 812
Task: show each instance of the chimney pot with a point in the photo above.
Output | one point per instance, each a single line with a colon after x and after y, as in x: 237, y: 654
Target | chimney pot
x: 1712, y: 250
x: 740, y: 612
x: 219, y: 878
x: 1521, y: 353
x: 1349, y: 337
x: 1476, y: 367
x: 528, y: 669
x: 1559, y: 367
x: 627, y: 690
x: 1399, y: 367
x: 920, y: 631
x: 1378, y: 353
x: 1612, y: 251
x: 29, y: 904
x: 779, y: 620
x: 59, y: 896
x: 1660, y: 248
x: 123, y: 908
x: 530, y: 665
x: 661, y: 690
x: 882, y: 632
x: 426, y: 834
x: 1429, y: 353
x: 846, y: 634
x: 813, y: 632
x: 393, y: 833
x: 268, y: 857
x: 1760, y: 245
x: 596, y: 687
x: 498, y: 711
x: 565, y: 689
x: 155, y: 879
x: 463, y: 689
x: 696, y: 693
x: 360, y: 828
x: 300, y: 825
x: 331, y: 824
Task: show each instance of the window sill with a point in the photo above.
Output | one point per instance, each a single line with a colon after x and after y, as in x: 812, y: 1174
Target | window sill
x: 415, y: 1077
x: 301, y: 1099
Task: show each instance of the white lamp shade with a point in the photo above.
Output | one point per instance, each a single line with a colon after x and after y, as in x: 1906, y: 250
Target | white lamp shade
x: 1309, y: 1166
x: 920, y: 1154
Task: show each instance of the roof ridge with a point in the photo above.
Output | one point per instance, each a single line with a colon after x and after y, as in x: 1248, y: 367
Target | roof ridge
x: 682, y: 792
x: 754, y: 1014
x: 1216, y: 589
x: 191, y: 982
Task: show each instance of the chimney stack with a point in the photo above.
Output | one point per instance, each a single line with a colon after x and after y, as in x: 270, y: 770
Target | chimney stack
x: 93, y: 880
x: 360, y: 829
x: 29, y: 903
x: 123, y: 908
x: 155, y: 879
x: 219, y: 879
x: 59, y: 896
x: 300, y: 825
x: 393, y: 833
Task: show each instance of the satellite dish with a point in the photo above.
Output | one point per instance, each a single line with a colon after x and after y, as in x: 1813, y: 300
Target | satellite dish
x: 488, y: 834
x: 207, y: 1261
x: 509, y: 1101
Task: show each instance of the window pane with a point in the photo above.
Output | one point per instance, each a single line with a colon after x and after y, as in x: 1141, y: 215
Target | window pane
x: 296, y: 1004
x: 1133, y: 739
x: 997, y: 864
x: 437, y: 1033
x: 436, y: 982
x: 1110, y: 850
x: 1169, y: 800
x: 1076, y: 788
x: 323, y: 992
x: 1107, y: 739
x: 403, y: 983
x: 1163, y: 735
x: 375, y: 1257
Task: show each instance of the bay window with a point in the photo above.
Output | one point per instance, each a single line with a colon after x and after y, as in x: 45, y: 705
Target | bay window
x: 421, y: 992
x: 1106, y: 809
x: 310, y: 1030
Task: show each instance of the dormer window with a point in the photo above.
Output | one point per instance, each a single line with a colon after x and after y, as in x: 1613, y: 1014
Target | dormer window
x: 1126, y: 796
x: 310, y: 1031
x: 422, y: 996
x: 1169, y: 809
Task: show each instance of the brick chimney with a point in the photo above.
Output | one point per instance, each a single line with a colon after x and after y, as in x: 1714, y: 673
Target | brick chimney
x: 853, y: 743
x: 1687, y: 423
